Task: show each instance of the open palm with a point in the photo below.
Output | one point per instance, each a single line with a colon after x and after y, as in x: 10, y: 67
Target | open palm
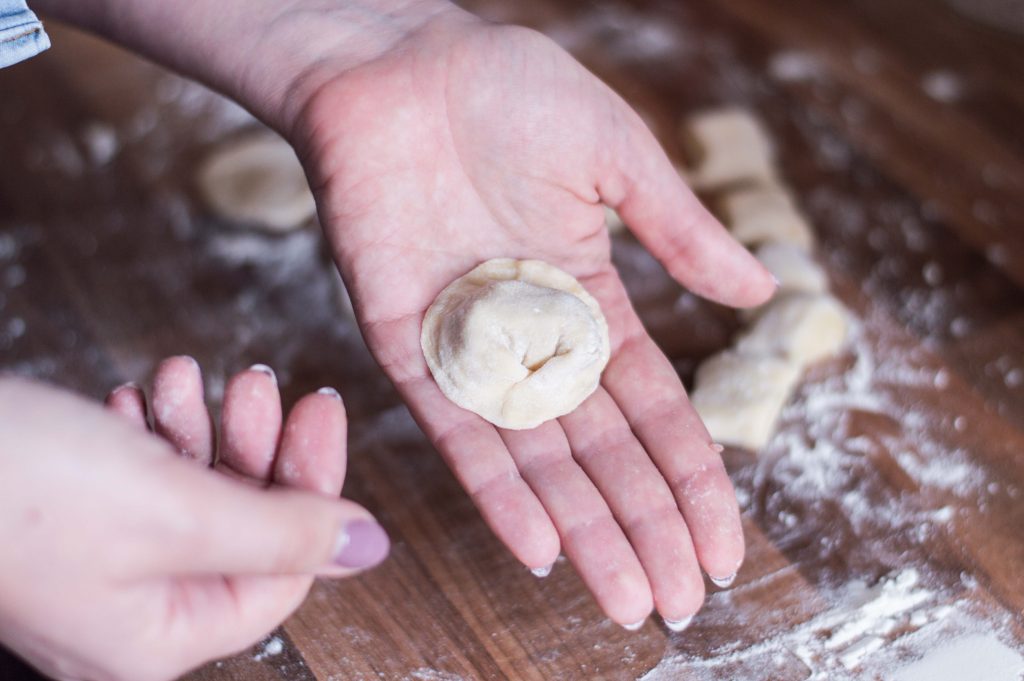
x: 468, y: 141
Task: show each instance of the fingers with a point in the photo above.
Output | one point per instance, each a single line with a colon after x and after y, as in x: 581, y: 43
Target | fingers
x: 648, y: 391
x: 312, y: 452
x: 643, y: 186
x: 672, y: 433
x: 641, y: 501
x: 250, y: 424
x: 478, y: 457
x: 129, y: 401
x: 591, y: 539
x: 214, y: 524
x: 179, y: 412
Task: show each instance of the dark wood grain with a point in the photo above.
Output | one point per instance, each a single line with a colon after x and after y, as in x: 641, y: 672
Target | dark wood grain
x: 919, y: 208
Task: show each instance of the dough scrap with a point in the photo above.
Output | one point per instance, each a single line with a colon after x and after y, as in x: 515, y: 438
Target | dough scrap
x: 257, y: 180
x: 613, y: 221
x: 800, y: 328
x: 518, y: 342
x: 794, y: 267
x: 739, y: 397
x: 341, y: 295
x: 765, y: 214
x: 730, y: 146
x: 795, y: 270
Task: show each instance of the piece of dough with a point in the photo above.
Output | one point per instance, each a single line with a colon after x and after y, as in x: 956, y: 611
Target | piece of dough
x: 613, y: 221
x: 257, y: 180
x: 729, y: 146
x: 794, y: 267
x: 739, y: 397
x: 765, y: 214
x: 518, y: 342
x: 341, y: 294
x: 801, y: 328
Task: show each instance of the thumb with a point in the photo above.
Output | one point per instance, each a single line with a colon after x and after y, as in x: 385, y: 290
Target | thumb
x: 217, y: 525
x: 667, y: 218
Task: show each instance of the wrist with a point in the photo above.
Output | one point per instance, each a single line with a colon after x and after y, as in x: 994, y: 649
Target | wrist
x: 263, y: 53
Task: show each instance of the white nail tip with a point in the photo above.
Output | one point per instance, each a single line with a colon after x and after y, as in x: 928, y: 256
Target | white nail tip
x: 542, y: 571
x: 678, y: 625
x: 635, y: 626
x: 330, y: 392
x: 723, y: 582
x: 264, y: 369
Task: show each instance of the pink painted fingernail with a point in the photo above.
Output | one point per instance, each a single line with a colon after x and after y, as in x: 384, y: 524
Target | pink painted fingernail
x: 263, y: 368
x: 723, y: 582
x: 635, y: 626
x: 542, y: 571
x: 361, y: 544
x: 678, y: 625
x: 330, y: 392
x: 715, y: 447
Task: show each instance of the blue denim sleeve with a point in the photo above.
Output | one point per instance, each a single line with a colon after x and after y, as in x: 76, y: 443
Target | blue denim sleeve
x: 21, y: 33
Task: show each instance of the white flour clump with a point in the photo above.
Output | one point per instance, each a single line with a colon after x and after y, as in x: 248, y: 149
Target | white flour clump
x: 274, y: 646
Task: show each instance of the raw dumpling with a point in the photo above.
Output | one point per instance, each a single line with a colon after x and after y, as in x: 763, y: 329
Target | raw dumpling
x: 518, y: 342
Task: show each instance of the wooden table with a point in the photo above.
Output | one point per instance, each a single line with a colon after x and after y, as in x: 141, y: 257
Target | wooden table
x: 885, y: 520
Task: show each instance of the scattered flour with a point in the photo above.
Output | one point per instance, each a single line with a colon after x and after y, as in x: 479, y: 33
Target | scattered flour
x: 794, y: 66
x: 428, y: 674
x: 943, y: 86
x: 101, y: 142
x: 980, y: 657
x: 868, y: 631
x: 272, y: 647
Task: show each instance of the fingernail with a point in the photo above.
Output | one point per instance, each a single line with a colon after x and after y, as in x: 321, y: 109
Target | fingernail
x: 678, y: 625
x: 361, y: 544
x: 330, y: 392
x: 542, y: 571
x: 715, y: 447
x: 722, y: 582
x: 266, y: 370
x: 635, y: 626
x: 778, y: 284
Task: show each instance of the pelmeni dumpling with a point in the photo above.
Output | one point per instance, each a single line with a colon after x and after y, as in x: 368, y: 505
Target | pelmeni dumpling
x: 518, y: 342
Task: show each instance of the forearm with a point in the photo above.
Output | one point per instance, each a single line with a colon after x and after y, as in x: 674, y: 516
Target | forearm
x: 258, y: 52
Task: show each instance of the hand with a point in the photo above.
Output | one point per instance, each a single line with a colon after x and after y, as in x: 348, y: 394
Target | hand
x: 436, y: 141
x: 467, y: 141
x: 128, y: 563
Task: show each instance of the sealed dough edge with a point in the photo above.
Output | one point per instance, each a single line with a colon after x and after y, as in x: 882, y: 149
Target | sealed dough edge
x: 518, y: 342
